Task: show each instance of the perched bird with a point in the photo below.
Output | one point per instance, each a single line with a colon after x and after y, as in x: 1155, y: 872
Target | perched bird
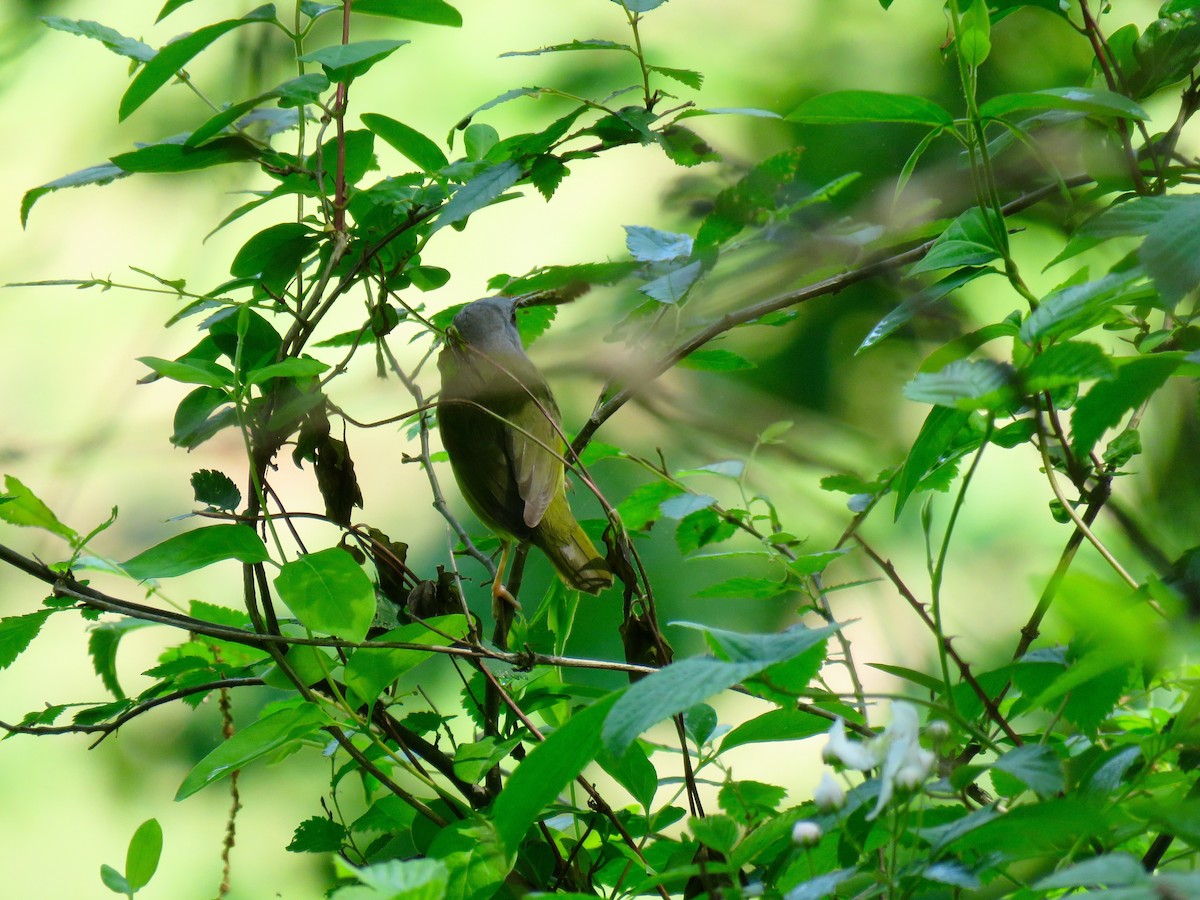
x: 502, y: 431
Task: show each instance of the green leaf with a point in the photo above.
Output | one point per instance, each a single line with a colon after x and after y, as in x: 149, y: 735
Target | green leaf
x: 475, y: 858
x: 190, y: 371
x: 776, y: 725
x: 744, y: 588
x: 841, y: 107
x: 411, y: 879
x: 113, y: 40
x: 592, y: 44
x: 370, y: 670
x: 1167, y: 51
x: 345, y: 62
x: 634, y: 772
x: 145, y: 849
x: 478, y: 140
x: 652, y: 245
x: 919, y: 302
x: 200, y: 415
x: 102, y: 648
x: 22, y: 507
x: 280, y: 247
x: 295, y: 92
x: 105, y: 173
x: 684, y: 147
x: 215, y: 490
x: 682, y: 505
x: 432, y: 12
x: 975, y: 43
x: 274, y: 731
x: 1111, y: 870
x: 292, y: 367
x: 691, y: 78
x: 674, y: 285
x: 701, y: 528
x: 680, y: 685
x: 720, y: 833
x: 644, y: 504
x: 547, y: 770
x: 1076, y: 307
x: 114, y: 880
x: 929, y: 450
x: 415, y: 146
x: 1107, y: 403
x: 1171, y: 253
x: 1037, y: 766
x: 967, y: 242
x: 640, y: 6
x: 196, y: 549
x: 1091, y: 101
x: 716, y: 361
x: 329, y: 592
x: 964, y: 384
x: 317, y: 835
x: 18, y: 632
x: 177, y: 54
x: 1069, y: 362
x: 480, y: 191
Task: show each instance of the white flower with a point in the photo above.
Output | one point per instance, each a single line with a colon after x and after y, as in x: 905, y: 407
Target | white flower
x: 851, y: 754
x: 907, y: 763
x: 829, y: 795
x: 806, y: 833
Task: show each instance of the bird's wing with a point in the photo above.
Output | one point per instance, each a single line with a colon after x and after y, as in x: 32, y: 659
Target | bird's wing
x: 535, y: 445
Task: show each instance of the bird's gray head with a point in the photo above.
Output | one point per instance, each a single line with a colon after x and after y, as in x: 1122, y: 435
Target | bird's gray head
x: 490, y: 324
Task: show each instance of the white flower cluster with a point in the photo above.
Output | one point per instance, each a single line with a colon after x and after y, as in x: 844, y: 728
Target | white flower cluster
x: 904, y: 763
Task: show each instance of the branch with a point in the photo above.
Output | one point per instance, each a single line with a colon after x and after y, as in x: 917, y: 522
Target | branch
x: 880, y: 265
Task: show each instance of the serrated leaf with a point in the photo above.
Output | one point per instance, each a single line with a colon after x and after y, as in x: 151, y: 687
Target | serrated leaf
x: 716, y: 361
x: 674, y: 285
x: 1074, y: 307
x: 643, y: 505
x: 17, y: 633
x: 329, y: 592
x: 102, y: 648
x: 680, y: 685
x: 968, y: 241
x: 113, y: 40
x: 369, y: 670
x: 1111, y: 870
x: 105, y: 173
x: 652, y: 245
x: 22, y: 507
x: 591, y: 44
x: 691, y: 78
x: 1108, y: 402
x: 1171, y: 252
x: 177, y: 54
x: 1037, y: 766
x: 195, y: 549
x: 479, y: 192
x: 215, y: 490
x: 841, y: 107
x: 1068, y: 362
x: 317, y: 835
x: 929, y: 450
x: 964, y: 384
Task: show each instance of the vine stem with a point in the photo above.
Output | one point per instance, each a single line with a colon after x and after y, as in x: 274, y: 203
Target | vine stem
x: 1081, y: 525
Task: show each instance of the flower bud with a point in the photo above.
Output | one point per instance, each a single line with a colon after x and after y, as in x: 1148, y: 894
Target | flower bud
x: 806, y: 833
x: 829, y: 795
x: 938, y: 730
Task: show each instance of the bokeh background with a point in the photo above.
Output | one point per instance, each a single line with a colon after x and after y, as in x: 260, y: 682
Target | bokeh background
x: 85, y: 437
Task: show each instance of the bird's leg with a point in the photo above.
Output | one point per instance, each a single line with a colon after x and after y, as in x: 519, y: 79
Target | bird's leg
x: 504, y: 604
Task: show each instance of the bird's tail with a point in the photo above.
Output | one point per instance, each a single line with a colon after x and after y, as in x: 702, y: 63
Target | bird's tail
x: 575, y: 559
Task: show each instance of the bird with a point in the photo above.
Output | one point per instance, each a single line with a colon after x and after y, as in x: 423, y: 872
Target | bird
x: 502, y: 431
